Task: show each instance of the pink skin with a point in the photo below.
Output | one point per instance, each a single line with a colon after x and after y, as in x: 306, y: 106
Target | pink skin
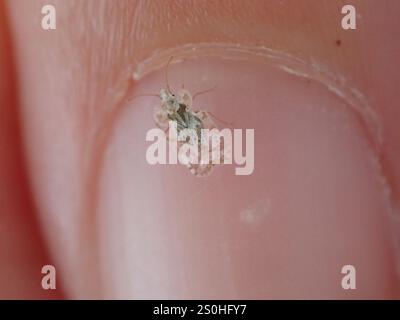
x: 118, y: 227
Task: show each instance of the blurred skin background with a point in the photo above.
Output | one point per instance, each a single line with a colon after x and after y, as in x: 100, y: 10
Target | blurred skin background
x: 59, y: 92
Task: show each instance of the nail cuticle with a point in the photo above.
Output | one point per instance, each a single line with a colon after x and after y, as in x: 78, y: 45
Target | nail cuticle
x: 310, y: 70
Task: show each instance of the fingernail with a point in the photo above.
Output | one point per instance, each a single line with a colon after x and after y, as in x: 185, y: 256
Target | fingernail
x: 313, y: 203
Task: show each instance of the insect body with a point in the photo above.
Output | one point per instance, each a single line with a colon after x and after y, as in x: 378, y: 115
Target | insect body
x: 177, y: 108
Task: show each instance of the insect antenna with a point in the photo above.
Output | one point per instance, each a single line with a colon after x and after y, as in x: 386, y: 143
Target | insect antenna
x: 166, y: 73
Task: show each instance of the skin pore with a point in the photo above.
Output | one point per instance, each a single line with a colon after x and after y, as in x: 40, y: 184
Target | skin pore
x: 70, y: 86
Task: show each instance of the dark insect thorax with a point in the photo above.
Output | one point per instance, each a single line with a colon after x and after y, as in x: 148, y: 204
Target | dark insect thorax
x: 186, y: 120
x: 182, y: 110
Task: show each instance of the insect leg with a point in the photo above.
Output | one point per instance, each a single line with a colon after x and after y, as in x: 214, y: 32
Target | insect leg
x: 204, y: 91
x: 144, y: 95
x: 230, y: 124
